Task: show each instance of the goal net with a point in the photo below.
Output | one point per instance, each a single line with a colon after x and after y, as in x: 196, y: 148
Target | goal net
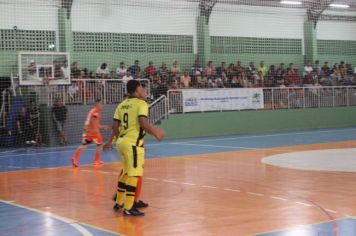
x: 71, y: 53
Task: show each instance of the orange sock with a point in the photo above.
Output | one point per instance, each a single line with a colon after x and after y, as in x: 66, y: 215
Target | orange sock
x: 77, y: 154
x: 97, y: 156
x: 138, y: 188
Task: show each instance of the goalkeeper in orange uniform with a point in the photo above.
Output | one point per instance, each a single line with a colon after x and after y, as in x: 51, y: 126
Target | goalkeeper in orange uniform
x: 91, y: 134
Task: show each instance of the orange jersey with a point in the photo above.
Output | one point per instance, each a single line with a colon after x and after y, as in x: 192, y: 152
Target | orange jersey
x: 92, y: 122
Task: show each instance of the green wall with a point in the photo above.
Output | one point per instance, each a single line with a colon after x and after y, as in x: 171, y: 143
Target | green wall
x: 249, y: 122
x: 8, y: 63
x: 269, y: 59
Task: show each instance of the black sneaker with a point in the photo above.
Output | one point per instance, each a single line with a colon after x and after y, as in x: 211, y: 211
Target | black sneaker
x: 118, y: 207
x: 133, y: 212
x: 140, y: 204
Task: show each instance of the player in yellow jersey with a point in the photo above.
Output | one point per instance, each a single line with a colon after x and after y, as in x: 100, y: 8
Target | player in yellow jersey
x: 130, y: 126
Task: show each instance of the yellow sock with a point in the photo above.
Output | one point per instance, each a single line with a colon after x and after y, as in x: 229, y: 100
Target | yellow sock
x: 131, y: 183
x: 121, y: 189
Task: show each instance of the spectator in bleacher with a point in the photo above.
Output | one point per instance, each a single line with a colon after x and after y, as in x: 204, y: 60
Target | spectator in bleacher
x: 209, y: 74
x: 74, y: 70
x: 185, y: 80
x: 238, y: 68
x: 317, y: 68
x: 263, y: 68
x: 259, y: 82
x: 349, y: 70
x: 173, y: 85
x: 235, y: 82
x: 121, y: 70
x: 150, y: 70
x: 31, y: 68
x: 290, y: 67
x: 197, y: 73
x: 175, y: 69
x: 292, y: 79
x: 102, y: 71
x: 281, y: 73
x: 242, y: 80
x: 335, y: 77
x: 270, y: 79
x: 155, y: 82
x: 251, y: 65
x: 59, y: 116
x: 57, y: 70
x: 335, y: 67
x: 65, y: 71
x: 135, y: 70
x: 308, y: 80
x: 158, y: 87
x: 163, y: 70
x: 92, y: 75
x: 73, y: 91
x: 230, y: 72
x: 221, y: 70
x: 307, y: 69
x: 326, y: 69
x: 23, y: 128
x: 342, y: 69
x: 127, y: 77
x: 252, y: 74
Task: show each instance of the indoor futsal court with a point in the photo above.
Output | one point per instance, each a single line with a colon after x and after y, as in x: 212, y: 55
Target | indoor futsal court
x: 294, y: 183
x: 225, y: 117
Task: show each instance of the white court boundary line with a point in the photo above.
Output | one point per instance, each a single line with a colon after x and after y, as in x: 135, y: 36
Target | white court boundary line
x: 70, y: 222
x: 192, y: 142
x: 259, y: 136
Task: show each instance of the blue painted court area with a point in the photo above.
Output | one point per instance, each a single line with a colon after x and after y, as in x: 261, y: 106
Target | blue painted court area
x: 34, y: 158
x: 21, y: 221
x: 345, y: 227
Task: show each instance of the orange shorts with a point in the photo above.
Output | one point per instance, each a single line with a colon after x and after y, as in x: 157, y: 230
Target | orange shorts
x: 89, y: 138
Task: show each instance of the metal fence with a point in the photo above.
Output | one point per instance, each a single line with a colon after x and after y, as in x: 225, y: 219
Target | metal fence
x: 84, y: 91
x: 289, y: 98
x: 158, y: 110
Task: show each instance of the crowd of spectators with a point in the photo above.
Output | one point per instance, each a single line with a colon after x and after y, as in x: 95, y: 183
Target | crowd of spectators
x: 165, y: 77
x: 223, y: 75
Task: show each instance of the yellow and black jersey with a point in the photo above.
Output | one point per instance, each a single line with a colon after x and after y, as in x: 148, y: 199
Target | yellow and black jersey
x: 128, y: 113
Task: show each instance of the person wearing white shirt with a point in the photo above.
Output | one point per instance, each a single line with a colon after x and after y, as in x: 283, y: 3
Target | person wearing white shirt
x: 121, y: 70
x: 307, y: 69
x: 127, y: 77
x: 103, y: 70
x: 65, y: 70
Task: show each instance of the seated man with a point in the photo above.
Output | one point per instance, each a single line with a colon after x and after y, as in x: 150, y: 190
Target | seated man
x: 185, y: 80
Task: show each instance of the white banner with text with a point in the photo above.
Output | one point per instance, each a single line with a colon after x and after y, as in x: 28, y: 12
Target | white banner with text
x: 198, y: 100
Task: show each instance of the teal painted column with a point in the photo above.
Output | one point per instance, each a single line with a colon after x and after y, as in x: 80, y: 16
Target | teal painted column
x: 65, y: 34
x: 203, y: 40
x: 310, y: 42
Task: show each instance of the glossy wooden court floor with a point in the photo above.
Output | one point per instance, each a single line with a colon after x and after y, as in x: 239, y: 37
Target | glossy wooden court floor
x: 220, y: 193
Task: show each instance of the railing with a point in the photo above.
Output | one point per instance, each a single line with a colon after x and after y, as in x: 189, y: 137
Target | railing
x: 159, y: 109
x: 84, y: 91
x: 289, y: 98
x: 6, y: 101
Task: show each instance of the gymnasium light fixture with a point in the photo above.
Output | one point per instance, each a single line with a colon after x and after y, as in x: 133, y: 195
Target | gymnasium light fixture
x: 292, y: 2
x: 338, y: 5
